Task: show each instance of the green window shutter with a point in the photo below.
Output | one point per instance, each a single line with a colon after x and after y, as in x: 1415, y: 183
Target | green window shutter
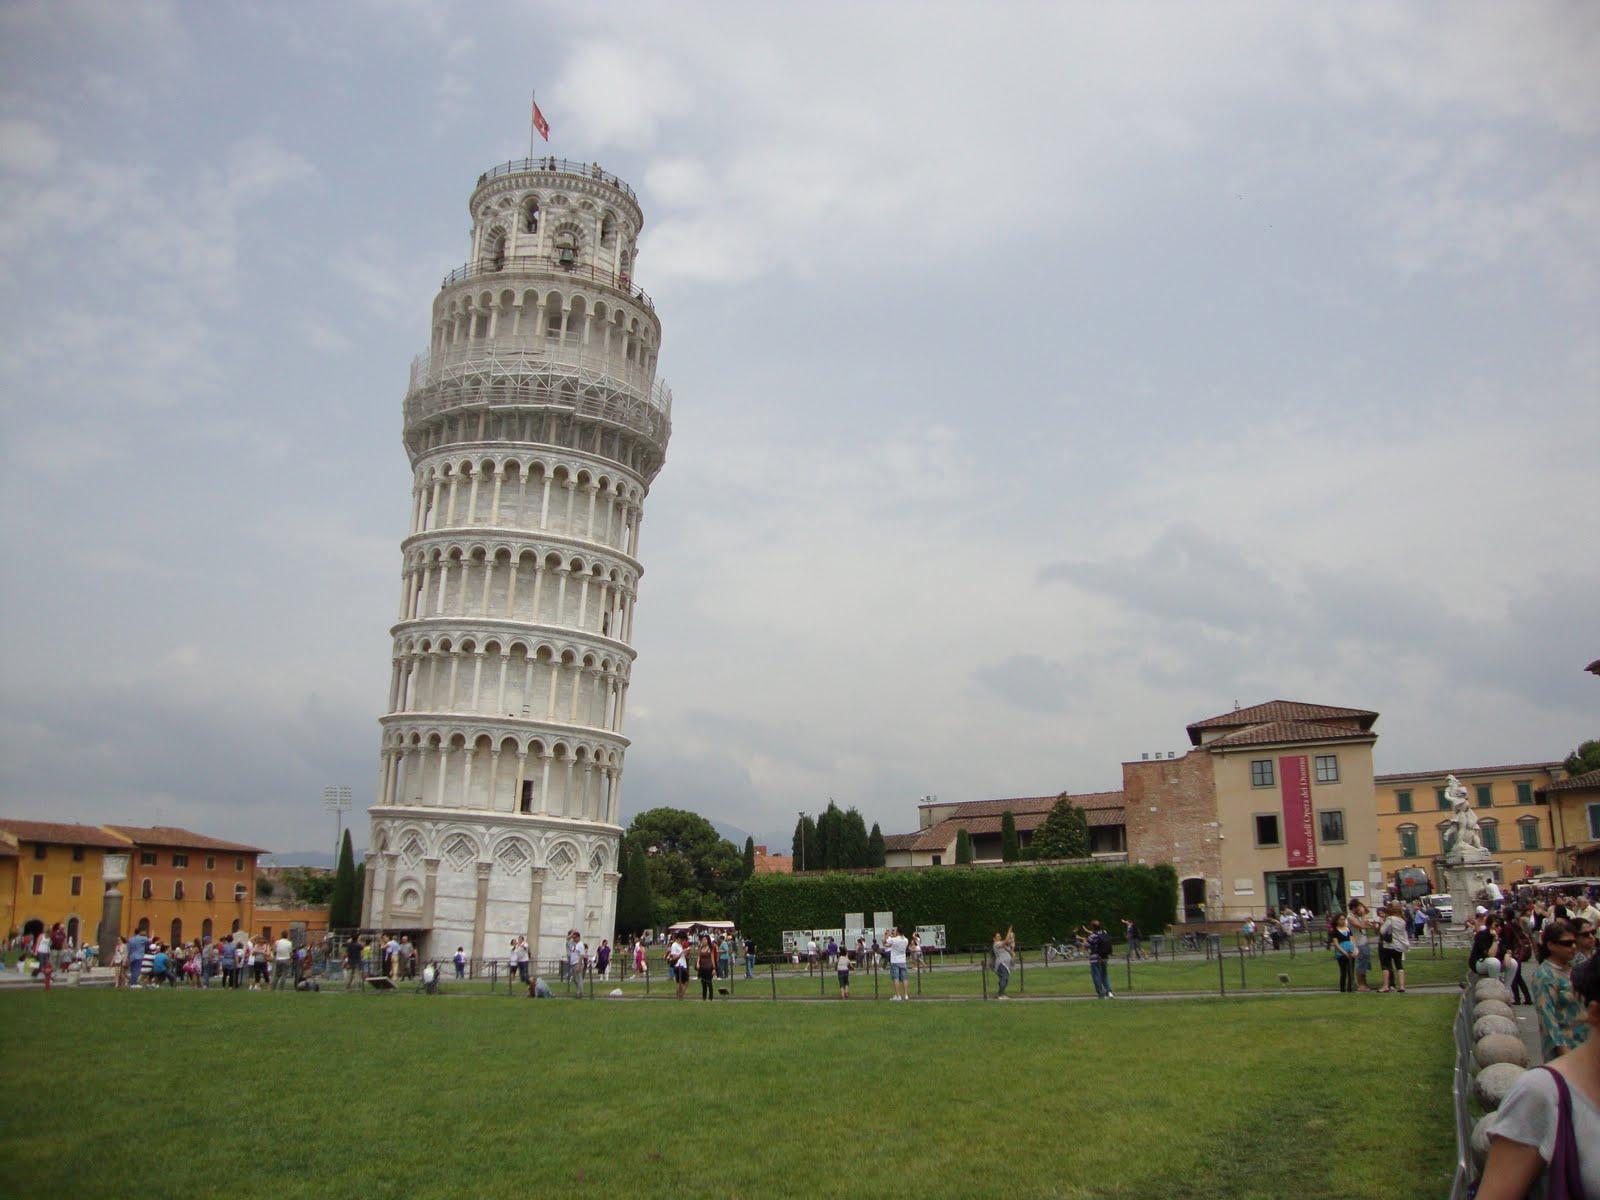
x: 1485, y: 796
x: 1440, y: 800
x: 1408, y: 842
x: 1404, y: 801
x: 1524, y: 792
x: 1530, y: 835
x: 1491, y: 837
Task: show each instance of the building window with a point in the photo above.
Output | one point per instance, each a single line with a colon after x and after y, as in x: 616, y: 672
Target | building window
x: 1327, y: 768
x: 211, y: 891
x: 1594, y: 820
x: 180, y: 860
x: 938, y: 859
x: 238, y: 864
x: 1440, y: 800
x: 1491, y: 835
x: 1261, y: 772
x: 1444, y: 836
x: 147, y: 858
x: 1485, y: 795
x: 77, y: 854
x: 1408, y: 840
x: 1524, y: 792
x: 38, y: 885
x: 1331, y: 825
x: 1530, y: 833
x: 1267, y: 829
x: 177, y: 889
x: 77, y: 885
x: 238, y: 891
x: 1403, y: 800
x: 40, y: 850
x: 211, y: 862
x: 145, y: 891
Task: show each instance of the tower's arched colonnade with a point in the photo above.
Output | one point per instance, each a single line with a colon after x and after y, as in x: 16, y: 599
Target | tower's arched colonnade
x: 534, y: 424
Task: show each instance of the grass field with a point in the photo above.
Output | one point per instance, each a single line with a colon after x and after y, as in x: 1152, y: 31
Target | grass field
x: 169, y: 1093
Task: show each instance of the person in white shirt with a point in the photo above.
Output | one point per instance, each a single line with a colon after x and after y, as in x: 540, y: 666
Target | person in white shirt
x: 282, y: 955
x: 811, y: 956
x: 896, y: 946
x: 577, y: 955
x: 678, y: 966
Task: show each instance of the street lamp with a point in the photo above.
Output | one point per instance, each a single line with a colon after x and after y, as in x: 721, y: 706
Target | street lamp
x: 337, y: 798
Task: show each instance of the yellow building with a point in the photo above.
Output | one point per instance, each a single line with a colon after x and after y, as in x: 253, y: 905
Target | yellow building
x: 57, y: 876
x: 1510, y: 805
x: 1575, y: 814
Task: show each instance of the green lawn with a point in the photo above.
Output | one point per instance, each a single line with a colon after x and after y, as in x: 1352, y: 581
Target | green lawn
x: 405, y: 1095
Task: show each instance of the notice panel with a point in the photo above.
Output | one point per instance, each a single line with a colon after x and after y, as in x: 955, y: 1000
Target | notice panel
x: 1299, y: 822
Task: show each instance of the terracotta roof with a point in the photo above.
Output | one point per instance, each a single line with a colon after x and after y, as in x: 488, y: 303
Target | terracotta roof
x: 898, y: 841
x: 1507, y: 769
x: 171, y: 835
x: 1280, y: 710
x: 1578, y: 783
x: 1018, y: 805
x: 1276, y: 732
x: 58, y: 834
x: 937, y: 837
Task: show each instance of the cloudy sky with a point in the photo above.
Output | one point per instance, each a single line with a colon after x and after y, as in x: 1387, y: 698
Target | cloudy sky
x: 1046, y: 378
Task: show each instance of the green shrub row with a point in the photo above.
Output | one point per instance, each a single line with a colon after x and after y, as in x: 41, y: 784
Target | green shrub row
x: 1040, y: 903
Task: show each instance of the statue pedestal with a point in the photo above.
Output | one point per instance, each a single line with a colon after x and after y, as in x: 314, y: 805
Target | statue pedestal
x: 1465, y: 880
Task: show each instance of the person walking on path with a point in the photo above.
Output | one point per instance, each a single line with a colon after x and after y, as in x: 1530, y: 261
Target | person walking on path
x: 749, y: 958
x: 1515, y: 948
x: 845, y: 958
x: 677, y: 963
x: 577, y: 959
x: 638, y: 958
x: 1135, y: 938
x: 1099, y: 960
x: 1002, y: 965
x: 602, y: 958
x: 896, y: 944
x: 706, y: 966
x: 1393, y: 942
x: 1551, y: 1117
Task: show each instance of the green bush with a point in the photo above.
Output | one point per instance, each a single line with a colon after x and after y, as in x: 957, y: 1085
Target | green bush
x: 1039, y: 902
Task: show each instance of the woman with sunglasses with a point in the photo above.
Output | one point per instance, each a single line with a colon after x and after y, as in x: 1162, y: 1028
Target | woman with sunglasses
x: 1529, y: 1139
x: 1561, y: 1017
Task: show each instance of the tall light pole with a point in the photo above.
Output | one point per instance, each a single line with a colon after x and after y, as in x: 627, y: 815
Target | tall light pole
x: 337, y: 797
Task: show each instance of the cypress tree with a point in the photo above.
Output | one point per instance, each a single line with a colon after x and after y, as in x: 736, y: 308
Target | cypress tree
x: 344, y: 908
x: 1010, y: 846
x: 854, y: 841
x: 749, y: 857
x: 963, y: 847
x: 1065, y: 832
x: 634, y: 900
x: 876, y: 856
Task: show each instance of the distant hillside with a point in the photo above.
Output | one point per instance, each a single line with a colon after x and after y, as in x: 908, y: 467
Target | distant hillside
x: 306, y: 858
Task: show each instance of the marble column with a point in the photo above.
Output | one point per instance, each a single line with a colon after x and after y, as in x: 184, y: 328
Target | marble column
x: 480, y: 908
x: 430, y: 891
x: 535, y: 905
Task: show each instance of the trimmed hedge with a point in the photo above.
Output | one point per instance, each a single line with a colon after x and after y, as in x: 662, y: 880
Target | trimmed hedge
x: 1039, y: 902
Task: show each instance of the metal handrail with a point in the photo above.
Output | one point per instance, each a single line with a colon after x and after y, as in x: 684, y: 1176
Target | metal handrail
x: 558, y: 166
x: 548, y: 264
x: 517, y: 360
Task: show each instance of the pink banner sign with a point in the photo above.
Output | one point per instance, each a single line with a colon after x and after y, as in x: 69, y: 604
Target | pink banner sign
x: 1299, y: 822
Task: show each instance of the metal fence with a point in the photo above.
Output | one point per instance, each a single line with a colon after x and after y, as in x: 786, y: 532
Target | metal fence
x: 1461, y: 1092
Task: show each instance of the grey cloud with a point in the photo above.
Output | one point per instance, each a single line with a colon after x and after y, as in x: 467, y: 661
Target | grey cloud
x: 1029, y: 681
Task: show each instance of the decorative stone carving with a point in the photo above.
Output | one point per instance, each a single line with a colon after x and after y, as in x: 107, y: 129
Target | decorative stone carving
x: 1499, y: 1048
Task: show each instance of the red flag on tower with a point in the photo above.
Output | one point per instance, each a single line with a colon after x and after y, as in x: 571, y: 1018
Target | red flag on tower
x: 539, y: 123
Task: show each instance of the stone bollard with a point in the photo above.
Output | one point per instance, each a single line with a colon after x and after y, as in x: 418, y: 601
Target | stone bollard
x: 1480, y: 1139
x: 1485, y: 1025
x: 1493, y: 1082
x: 1491, y: 989
x: 1494, y: 1008
x: 1500, y: 1048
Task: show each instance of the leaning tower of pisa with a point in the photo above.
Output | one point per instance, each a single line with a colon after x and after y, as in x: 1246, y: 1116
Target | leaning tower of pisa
x: 534, y: 425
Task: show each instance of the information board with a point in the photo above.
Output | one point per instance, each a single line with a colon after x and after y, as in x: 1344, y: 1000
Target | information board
x: 882, y: 922
x: 932, y: 936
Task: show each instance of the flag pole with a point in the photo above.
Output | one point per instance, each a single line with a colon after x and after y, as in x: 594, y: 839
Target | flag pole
x: 535, y: 100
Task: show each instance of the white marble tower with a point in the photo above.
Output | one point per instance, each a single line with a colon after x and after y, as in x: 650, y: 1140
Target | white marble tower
x: 534, y: 425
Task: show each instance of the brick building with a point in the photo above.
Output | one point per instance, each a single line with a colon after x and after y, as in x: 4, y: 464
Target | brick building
x: 183, y: 885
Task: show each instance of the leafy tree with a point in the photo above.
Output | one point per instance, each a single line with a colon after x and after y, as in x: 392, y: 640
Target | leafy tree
x: 263, y: 887
x: 876, y: 855
x: 963, y: 846
x: 635, y: 905
x: 1065, y: 832
x: 344, y: 910
x: 807, y: 847
x: 853, y: 840
x: 691, y: 867
x: 749, y: 857
x: 1585, y: 758
x: 1010, y: 846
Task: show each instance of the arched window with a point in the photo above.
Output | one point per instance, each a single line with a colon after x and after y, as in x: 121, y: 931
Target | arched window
x: 211, y: 890
x: 146, y: 890
x: 1528, y: 830
x: 205, y: 928
x: 177, y: 889
x: 608, y: 230
x: 1491, y: 835
x: 1408, y: 840
x: 530, y: 215
x: 177, y: 931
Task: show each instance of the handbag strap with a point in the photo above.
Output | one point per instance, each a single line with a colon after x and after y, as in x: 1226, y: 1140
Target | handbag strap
x: 1564, y: 1178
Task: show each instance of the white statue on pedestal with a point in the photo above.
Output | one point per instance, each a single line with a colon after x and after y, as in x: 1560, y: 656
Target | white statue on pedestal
x: 1468, y: 843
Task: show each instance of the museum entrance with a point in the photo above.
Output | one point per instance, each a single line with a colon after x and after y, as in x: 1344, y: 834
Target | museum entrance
x: 1319, y: 892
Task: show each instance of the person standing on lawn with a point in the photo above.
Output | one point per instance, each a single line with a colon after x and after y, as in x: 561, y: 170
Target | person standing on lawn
x: 706, y: 966
x: 282, y: 956
x: 1001, y: 954
x: 602, y: 958
x: 896, y: 944
x: 352, y: 963
x: 137, y: 945
x: 1393, y: 943
x: 1344, y: 952
x: 1099, y: 960
x: 1361, y: 923
x: 844, y: 973
x: 1135, y: 938
x: 677, y: 963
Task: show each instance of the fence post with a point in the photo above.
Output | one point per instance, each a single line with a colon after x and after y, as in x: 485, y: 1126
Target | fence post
x: 494, y: 976
x: 1222, y: 982
x: 1242, y: 983
x: 1130, y: 967
x: 1022, y: 976
x: 772, y: 972
x: 984, y: 967
x: 919, y: 977
x: 874, y: 976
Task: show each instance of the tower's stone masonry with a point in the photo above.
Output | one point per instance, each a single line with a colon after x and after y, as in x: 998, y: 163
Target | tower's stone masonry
x: 534, y: 425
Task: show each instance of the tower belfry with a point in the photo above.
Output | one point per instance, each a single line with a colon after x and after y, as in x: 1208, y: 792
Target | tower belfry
x: 534, y: 424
